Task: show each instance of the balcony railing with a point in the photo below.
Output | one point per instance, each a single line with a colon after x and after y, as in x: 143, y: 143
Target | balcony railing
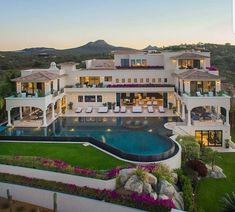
x: 139, y: 67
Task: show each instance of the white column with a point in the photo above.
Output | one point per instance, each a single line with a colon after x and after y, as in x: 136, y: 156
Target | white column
x: 9, y: 118
x: 227, y: 116
x: 189, y: 117
x: 53, y: 111
x: 44, y: 124
x: 21, y: 114
x: 183, y: 111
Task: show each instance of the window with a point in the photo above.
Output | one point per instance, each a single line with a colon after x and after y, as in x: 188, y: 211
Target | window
x: 138, y: 62
x: 124, y: 62
x: 117, y: 80
x: 58, y: 84
x: 153, y: 80
x: 99, y: 98
x: 147, y: 80
x: 80, y: 98
x: 144, y: 62
x: 141, y: 80
x: 132, y: 62
x: 123, y: 80
x: 209, y: 137
x: 165, y: 80
x: 89, y: 98
x: 108, y: 78
x: 129, y: 80
x: 159, y: 80
x: 135, y: 80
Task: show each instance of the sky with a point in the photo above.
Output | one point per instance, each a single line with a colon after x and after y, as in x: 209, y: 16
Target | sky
x: 132, y: 23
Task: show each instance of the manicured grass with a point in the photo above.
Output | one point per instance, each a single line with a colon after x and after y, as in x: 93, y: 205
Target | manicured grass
x: 210, y: 191
x: 75, y: 154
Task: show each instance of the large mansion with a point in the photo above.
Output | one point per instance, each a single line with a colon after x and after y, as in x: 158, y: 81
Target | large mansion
x: 180, y: 84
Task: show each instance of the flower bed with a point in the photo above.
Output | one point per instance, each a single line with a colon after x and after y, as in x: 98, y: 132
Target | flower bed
x: 63, y: 167
x: 141, y: 201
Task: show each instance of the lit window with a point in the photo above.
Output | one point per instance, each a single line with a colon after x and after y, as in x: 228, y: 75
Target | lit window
x: 108, y: 78
x: 129, y: 80
x: 141, y: 80
x: 123, y: 80
x: 135, y: 80
x: 153, y: 80
x: 147, y: 80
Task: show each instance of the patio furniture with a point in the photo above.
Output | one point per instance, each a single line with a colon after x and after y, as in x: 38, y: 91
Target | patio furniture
x: 136, y: 109
x: 123, y: 109
x: 210, y: 94
x: 198, y: 93
x: 150, y: 109
x: 78, y: 110
x: 161, y: 109
x: 116, y: 109
x: 149, y: 103
x: 103, y: 109
x: 89, y: 109
x: 155, y: 103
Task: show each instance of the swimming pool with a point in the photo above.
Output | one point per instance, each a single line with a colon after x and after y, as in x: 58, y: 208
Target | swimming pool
x: 142, y: 137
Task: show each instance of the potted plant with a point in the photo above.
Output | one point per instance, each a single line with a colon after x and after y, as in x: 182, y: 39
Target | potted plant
x: 70, y: 105
x: 227, y: 143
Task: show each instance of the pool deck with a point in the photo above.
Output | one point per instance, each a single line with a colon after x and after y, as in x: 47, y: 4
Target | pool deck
x: 94, y: 113
x: 128, y: 113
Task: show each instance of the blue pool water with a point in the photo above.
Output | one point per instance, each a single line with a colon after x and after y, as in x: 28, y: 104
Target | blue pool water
x: 141, y: 136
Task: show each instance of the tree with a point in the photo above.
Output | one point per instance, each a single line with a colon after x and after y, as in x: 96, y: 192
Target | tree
x: 210, y: 156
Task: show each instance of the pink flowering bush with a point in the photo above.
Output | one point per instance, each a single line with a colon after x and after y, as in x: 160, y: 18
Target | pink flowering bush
x: 140, y: 201
x: 62, y: 166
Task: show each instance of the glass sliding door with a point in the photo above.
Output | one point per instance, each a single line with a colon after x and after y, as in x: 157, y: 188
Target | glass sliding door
x: 209, y: 137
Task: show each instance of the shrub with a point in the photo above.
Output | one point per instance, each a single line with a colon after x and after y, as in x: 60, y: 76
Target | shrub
x: 228, y: 202
x: 163, y: 172
x: 190, y: 148
x: 198, y: 166
x: 187, y: 189
x: 140, y: 173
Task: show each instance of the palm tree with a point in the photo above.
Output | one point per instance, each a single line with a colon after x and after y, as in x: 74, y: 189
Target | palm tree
x: 228, y: 202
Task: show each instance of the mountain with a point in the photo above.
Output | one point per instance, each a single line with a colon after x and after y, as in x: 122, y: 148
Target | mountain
x: 97, y: 47
x: 91, y: 48
x: 151, y: 48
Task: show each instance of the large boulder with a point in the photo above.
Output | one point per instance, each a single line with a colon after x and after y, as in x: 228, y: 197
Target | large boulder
x: 166, y: 188
x: 134, y: 184
x: 150, y: 178
x: 174, y: 177
x: 178, y: 200
x: 125, y: 174
x: 147, y: 188
x: 217, y: 172
x: 168, y: 191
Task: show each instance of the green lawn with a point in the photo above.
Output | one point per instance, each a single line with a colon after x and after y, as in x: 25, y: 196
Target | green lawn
x: 210, y: 191
x: 75, y: 154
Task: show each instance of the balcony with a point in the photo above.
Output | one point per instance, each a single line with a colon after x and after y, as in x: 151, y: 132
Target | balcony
x: 219, y: 99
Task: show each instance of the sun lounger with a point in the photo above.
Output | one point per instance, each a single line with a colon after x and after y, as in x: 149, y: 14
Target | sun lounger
x: 89, y: 110
x: 149, y: 103
x: 137, y: 109
x: 150, y: 109
x: 123, y: 109
x: 198, y: 93
x: 210, y: 94
x: 155, y: 103
x: 103, y: 109
x: 116, y: 109
x: 78, y: 110
x: 161, y: 109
